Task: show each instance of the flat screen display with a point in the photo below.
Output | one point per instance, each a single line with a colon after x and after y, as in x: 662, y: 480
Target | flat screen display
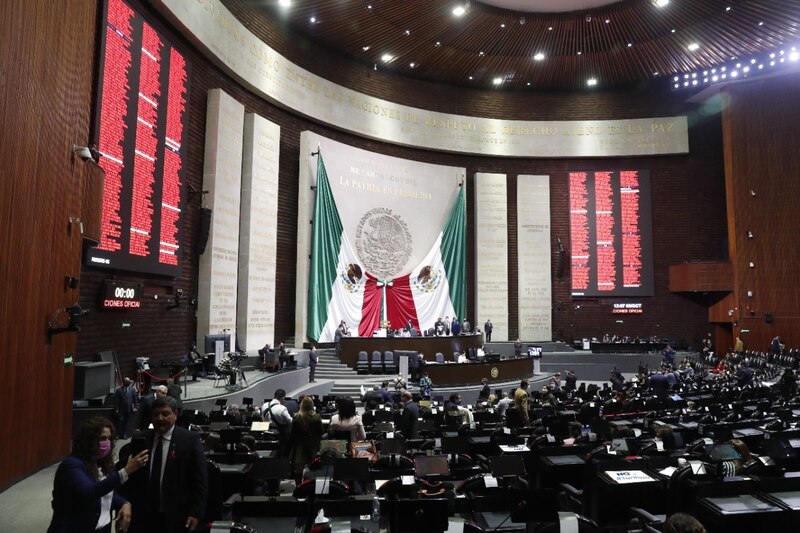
x: 611, y: 233
x: 141, y: 130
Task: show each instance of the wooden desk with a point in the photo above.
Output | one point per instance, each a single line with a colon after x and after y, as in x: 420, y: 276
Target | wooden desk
x: 429, y: 346
x: 451, y: 374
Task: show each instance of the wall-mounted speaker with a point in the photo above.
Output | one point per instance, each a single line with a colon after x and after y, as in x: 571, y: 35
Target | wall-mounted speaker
x: 768, y: 318
x: 205, y: 228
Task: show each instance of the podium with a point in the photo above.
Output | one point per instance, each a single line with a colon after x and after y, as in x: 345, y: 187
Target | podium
x: 535, y: 353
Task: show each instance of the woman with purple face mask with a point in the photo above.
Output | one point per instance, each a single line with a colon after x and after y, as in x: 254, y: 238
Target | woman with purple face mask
x: 83, y: 490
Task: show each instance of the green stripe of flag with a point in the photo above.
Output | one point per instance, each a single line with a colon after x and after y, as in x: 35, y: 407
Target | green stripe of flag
x: 454, y: 257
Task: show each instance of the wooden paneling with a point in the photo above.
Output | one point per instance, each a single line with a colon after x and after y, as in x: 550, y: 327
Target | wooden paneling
x: 92, y: 182
x: 701, y: 277
x: 760, y: 121
x: 46, y: 51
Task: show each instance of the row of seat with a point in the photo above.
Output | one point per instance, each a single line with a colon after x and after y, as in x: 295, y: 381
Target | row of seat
x: 377, y: 364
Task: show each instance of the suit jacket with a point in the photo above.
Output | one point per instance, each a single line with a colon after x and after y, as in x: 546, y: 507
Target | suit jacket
x: 184, y: 486
x: 76, y: 497
x: 125, y: 399
x: 145, y: 409
x: 408, y: 420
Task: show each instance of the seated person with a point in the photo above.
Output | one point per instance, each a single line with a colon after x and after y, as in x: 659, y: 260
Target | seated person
x: 462, y: 358
x: 453, y: 405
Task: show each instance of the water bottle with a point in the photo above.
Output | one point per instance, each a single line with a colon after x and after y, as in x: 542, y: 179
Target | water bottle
x: 376, y: 509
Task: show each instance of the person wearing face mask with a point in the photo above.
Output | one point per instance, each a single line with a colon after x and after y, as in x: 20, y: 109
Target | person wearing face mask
x: 83, y: 491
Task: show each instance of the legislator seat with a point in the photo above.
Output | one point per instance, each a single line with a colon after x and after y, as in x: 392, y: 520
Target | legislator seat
x: 362, y: 366
x: 439, y: 357
x: 389, y: 366
x: 376, y: 363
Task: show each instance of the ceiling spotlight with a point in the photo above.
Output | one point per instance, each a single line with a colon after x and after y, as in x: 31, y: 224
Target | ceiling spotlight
x: 459, y: 11
x: 608, y: 21
x: 497, y: 81
x: 522, y: 21
x: 412, y: 65
x: 749, y: 294
x: 660, y: 3
x: 313, y: 20
x: 549, y: 28
x: 407, y: 32
x: 579, y: 52
x: 503, y: 25
x: 794, y: 56
x: 749, y: 234
x: 481, y: 53
x: 693, y: 46
x: 630, y: 44
x: 591, y: 82
x: 285, y: 3
x: 539, y: 57
x: 365, y: 48
x: 438, y: 43
x: 470, y: 77
x: 751, y: 264
x: 761, y: 23
x: 386, y: 58
x: 588, y: 18
x: 727, y: 9
x: 752, y: 192
x: 672, y: 30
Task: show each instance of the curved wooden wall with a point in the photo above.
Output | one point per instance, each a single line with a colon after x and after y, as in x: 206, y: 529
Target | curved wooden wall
x: 46, y: 62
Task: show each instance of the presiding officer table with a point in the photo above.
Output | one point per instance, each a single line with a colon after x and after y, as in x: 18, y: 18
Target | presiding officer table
x: 442, y: 374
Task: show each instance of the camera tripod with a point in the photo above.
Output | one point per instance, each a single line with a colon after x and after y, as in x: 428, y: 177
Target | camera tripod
x: 238, y: 379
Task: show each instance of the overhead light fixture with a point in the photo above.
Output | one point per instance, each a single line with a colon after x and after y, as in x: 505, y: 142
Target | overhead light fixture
x: 386, y: 58
x: 497, y: 81
x: 365, y: 48
x: 313, y: 20
x: 459, y: 11
x: 407, y: 32
x: 412, y: 65
x: 608, y: 21
x: 550, y: 28
x: 749, y: 234
x: 660, y: 3
x: 693, y: 46
x: 539, y: 57
x: 285, y: 3
x: 591, y: 82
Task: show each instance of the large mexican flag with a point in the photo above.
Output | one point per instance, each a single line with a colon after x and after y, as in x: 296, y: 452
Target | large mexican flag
x: 340, y: 287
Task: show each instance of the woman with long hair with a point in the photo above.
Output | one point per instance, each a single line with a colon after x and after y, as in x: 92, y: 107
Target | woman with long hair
x: 305, y: 437
x: 346, y: 419
x: 83, y: 490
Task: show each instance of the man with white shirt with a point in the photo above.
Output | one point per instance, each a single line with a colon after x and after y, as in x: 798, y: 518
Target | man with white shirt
x: 279, y: 418
x: 170, y: 493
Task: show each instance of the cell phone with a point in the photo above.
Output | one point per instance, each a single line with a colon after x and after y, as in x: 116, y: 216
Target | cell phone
x: 138, y: 444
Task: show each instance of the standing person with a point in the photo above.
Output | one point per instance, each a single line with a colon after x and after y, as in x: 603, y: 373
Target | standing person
x: 466, y: 327
x: 346, y: 419
x: 669, y: 355
x: 146, y: 406
x: 517, y: 348
x: 125, y: 404
x: 455, y: 326
x: 313, y: 359
x: 738, y: 347
x: 409, y: 416
x: 570, y: 381
x: 425, y: 386
x: 278, y: 416
x: 306, y: 435
x: 83, y: 489
x: 776, y: 347
x: 487, y: 328
x: 485, y: 391
x: 521, y: 399
x: 169, y: 496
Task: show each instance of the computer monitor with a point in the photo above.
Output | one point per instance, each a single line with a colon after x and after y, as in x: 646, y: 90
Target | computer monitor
x: 534, y: 505
x: 230, y: 437
x: 454, y: 445
x: 507, y: 465
x: 392, y: 446
x: 534, y: 351
x: 431, y: 465
x: 333, y: 446
x: 422, y: 515
x: 210, y: 343
x: 272, y: 468
x: 351, y: 469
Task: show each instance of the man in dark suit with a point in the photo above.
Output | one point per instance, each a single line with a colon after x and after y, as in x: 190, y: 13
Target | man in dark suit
x: 487, y: 328
x: 125, y: 402
x: 170, y: 492
x: 409, y: 416
x: 313, y: 359
x: 146, y: 405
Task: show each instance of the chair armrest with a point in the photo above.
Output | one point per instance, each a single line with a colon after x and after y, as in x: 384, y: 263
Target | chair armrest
x: 571, y: 491
x: 644, y: 517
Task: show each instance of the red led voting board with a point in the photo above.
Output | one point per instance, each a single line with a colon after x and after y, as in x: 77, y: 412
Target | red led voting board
x: 610, y: 233
x: 141, y: 129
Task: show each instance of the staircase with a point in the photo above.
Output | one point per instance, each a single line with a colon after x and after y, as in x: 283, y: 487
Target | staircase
x: 346, y: 381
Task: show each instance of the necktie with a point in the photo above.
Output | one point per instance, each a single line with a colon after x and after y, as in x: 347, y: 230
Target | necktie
x: 154, y: 488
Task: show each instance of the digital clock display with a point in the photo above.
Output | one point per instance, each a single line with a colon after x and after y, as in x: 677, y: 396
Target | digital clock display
x: 122, y: 295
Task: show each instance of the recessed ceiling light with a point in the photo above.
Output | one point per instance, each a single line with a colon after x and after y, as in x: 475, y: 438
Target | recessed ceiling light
x: 655, y: 73
x: 761, y: 23
x: 630, y: 44
x: 412, y: 65
x: 438, y: 43
x: 502, y: 25
x: 579, y: 52
x: 365, y: 48
x: 285, y: 3
x: 591, y: 82
x: 660, y: 3
x: 369, y: 6
x: 481, y: 53
x: 387, y: 57
x: 794, y: 56
x: 313, y: 20
x: 608, y: 21
x: 470, y: 77
x: 727, y: 9
x: 550, y: 28
x: 407, y: 32
x: 539, y: 57
x: 672, y: 30
x: 459, y: 11
x: 693, y: 46
x: 497, y: 81
x: 529, y: 84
